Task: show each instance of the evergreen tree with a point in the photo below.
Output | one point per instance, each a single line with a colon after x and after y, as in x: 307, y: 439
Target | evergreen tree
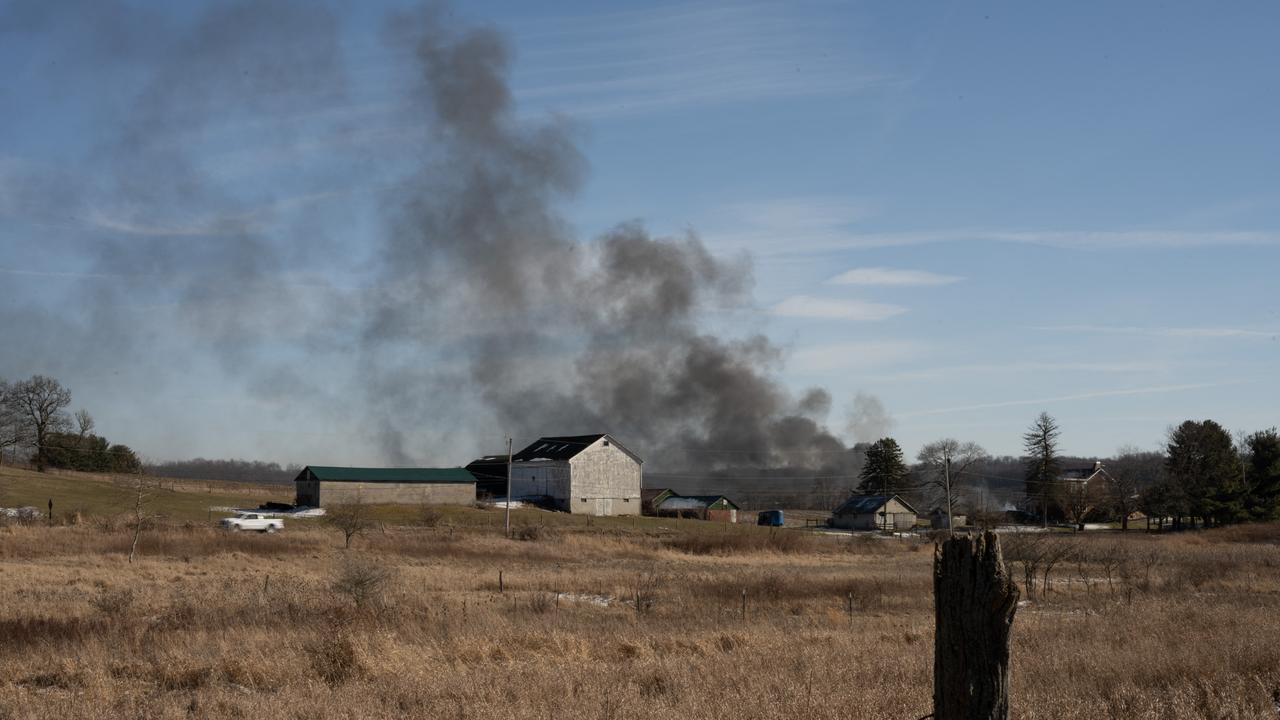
x: 1043, y: 463
x: 884, y: 468
x: 1262, y: 475
x: 1204, y: 466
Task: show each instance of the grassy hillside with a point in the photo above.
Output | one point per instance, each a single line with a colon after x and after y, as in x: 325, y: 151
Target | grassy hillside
x: 103, y: 495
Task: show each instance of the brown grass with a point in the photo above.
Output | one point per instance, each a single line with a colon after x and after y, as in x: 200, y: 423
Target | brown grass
x: 609, y: 621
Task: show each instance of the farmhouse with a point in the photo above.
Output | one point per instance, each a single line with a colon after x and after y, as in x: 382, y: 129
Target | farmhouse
x: 667, y: 503
x: 872, y: 512
x: 588, y: 474
x: 1079, y: 479
x: 318, y: 486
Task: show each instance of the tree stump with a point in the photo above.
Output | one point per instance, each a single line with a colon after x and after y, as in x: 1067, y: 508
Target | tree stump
x: 974, y: 602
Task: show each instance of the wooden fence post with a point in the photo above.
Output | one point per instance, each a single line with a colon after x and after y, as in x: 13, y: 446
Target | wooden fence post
x: 974, y: 602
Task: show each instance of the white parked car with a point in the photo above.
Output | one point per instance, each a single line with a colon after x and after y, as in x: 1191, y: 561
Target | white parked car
x: 253, y: 521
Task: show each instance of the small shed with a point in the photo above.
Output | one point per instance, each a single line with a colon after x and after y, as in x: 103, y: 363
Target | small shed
x: 874, y: 512
x: 716, y: 508
x: 651, y: 497
x: 318, y: 486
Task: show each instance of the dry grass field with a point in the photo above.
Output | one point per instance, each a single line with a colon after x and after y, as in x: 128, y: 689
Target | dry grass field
x: 606, y: 621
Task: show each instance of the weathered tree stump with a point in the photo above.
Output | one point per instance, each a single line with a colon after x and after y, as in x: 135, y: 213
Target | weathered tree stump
x: 974, y: 602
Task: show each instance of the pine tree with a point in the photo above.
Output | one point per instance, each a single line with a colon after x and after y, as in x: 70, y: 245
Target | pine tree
x: 1041, y: 444
x: 884, y: 469
x: 1262, y: 475
x: 1204, y: 466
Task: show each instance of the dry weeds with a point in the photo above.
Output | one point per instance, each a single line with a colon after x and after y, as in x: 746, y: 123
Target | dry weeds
x: 607, y: 625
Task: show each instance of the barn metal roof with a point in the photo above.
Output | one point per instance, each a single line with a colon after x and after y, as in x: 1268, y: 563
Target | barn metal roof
x: 556, y: 448
x: 863, y: 504
x: 694, y: 502
x: 409, y: 475
x: 564, y: 447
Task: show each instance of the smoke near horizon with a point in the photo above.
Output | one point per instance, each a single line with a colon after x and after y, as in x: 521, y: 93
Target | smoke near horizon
x: 468, y: 311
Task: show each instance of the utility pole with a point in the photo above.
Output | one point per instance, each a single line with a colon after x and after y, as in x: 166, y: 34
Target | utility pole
x: 507, y: 522
x: 884, y: 509
x: 946, y: 482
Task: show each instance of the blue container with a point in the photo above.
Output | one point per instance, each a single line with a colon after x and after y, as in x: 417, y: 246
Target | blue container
x: 772, y: 518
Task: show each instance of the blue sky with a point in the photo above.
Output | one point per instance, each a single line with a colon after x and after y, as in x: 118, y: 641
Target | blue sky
x: 973, y: 212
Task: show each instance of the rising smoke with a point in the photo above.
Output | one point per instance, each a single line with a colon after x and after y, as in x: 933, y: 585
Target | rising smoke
x: 476, y: 311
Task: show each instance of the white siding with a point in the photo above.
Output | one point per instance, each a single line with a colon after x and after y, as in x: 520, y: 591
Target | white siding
x: 605, y: 480
x: 541, y: 477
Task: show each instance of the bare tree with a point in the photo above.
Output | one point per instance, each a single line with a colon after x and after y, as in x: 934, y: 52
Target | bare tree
x: 1078, y: 500
x: 945, y: 464
x: 15, y: 432
x: 84, y: 423
x: 1129, y: 475
x: 352, y: 519
x: 40, y: 403
x: 141, y: 518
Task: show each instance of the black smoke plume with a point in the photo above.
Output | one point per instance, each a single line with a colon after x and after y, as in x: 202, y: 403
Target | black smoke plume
x: 475, y: 313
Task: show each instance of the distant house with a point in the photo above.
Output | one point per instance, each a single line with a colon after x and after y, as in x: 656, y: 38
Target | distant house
x: 320, y: 486
x: 716, y: 508
x: 874, y: 512
x: 649, y: 497
x: 588, y: 474
x: 1082, y: 477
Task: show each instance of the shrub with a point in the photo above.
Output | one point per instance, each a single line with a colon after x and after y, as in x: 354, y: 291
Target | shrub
x: 334, y: 658
x: 364, y: 581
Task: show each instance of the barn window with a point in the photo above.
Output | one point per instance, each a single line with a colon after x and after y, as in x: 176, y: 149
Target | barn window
x: 606, y: 443
x: 584, y: 499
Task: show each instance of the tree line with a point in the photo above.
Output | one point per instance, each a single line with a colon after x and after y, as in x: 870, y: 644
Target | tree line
x: 1202, y: 476
x: 241, y: 471
x: 35, y: 427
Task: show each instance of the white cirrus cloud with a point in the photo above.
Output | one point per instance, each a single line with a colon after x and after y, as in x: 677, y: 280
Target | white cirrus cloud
x: 892, y: 277
x: 853, y: 355
x: 807, y: 306
x: 1174, y: 332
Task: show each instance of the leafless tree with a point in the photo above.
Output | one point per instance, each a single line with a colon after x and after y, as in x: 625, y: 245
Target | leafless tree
x: 944, y: 467
x: 84, y: 423
x: 352, y: 519
x: 1055, y: 551
x: 15, y: 432
x: 1028, y: 550
x: 1078, y: 500
x: 141, y: 518
x: 40, y: 404
x: 1131, y: 473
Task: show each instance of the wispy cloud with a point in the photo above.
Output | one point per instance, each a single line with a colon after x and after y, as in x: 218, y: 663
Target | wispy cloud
x: 20, y: 272
x: 1154, y: 390
x: 853, y: 355
x: 1176, y: 332
x: 254, y: 220
x: 807, y: 306
x: 892, y: 277
x: 950, y: 372
x: 807, y: 226
x: 683, y: 54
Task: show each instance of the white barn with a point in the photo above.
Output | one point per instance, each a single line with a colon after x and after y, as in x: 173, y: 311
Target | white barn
x: 587, y: 474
